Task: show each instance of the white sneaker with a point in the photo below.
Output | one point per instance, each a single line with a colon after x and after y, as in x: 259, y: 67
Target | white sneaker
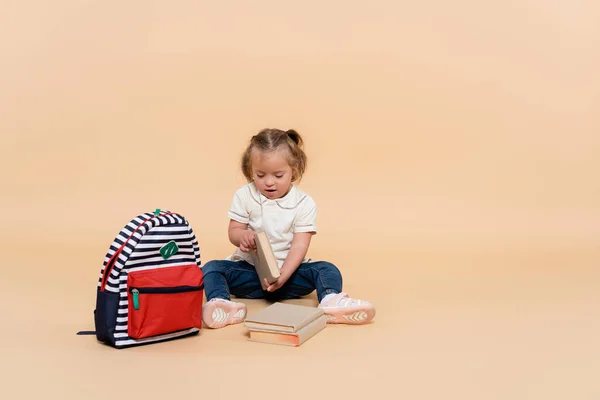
x: 218, y: 313
x: 342, y: 309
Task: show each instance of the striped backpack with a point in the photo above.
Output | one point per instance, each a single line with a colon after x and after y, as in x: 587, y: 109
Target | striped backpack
x: 151, y: 284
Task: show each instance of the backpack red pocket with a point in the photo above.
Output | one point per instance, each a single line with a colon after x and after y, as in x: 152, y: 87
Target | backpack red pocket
x: 164, y: 300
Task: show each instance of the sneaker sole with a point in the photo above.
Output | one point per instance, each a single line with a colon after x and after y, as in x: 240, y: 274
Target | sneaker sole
x: 353, y: 316
x: 217, y: 315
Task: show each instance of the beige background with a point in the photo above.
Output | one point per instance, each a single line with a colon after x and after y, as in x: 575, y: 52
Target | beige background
x: 453, y: 152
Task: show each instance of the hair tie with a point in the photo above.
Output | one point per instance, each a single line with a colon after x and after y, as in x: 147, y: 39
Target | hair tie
x: 292, y: 134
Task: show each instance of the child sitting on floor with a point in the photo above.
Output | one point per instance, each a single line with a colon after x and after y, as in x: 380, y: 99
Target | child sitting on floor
x: 271, y: 202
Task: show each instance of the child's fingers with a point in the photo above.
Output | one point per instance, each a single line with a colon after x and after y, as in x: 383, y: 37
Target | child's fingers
x: 271, y: 287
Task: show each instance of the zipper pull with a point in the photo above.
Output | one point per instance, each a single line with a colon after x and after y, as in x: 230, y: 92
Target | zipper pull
x: 136, y: 300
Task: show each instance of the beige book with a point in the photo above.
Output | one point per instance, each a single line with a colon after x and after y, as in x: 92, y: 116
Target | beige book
x: 283, y: 317
x: 265, y: 262
x: 290, y: 338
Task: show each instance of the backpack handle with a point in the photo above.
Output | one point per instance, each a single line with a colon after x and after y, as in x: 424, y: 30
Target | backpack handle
x: 111, y: 262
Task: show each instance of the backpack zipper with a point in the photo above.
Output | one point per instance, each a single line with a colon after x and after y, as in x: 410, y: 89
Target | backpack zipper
x: 135, y: 292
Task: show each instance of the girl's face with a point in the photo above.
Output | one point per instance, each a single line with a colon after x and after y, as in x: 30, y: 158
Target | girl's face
x: 272, y: 173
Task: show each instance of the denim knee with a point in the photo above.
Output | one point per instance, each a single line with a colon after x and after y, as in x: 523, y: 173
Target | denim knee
x: 328, y: 278
x: 212, y: 266
x: 328, y: 267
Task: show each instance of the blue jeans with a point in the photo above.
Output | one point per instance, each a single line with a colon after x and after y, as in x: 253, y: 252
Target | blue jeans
x: 239, y: 278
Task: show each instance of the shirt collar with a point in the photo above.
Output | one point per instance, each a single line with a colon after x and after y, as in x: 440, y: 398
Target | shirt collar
x: 289, y: 201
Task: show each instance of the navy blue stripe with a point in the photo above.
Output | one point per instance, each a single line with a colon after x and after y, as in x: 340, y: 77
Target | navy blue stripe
x: 164, y: 241
x: 185, y: 245
x: 169, y: 232
x: 167, y: 290
x: 157, y: 254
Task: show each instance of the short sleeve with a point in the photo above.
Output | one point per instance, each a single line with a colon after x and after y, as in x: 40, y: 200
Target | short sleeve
x: 238, y: 210
x: 306, y: 220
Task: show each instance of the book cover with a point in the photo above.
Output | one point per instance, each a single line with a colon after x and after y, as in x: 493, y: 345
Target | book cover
x: 283, y: 317
x: 294, y: 339
x: 265, y: 262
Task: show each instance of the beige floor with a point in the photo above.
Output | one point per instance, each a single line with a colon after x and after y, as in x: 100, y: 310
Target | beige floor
x: 453, y: 151
x: 464, y: 324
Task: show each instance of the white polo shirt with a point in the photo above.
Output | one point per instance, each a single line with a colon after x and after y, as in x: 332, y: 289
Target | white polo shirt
x: 279, y: 218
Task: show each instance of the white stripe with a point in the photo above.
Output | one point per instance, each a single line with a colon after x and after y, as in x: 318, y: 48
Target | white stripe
x: 169, y: 228
x: 132, y: 243
x: 113, y: 281
x: 111, y: 289
x: 123, y: 319
x: 144, y: 253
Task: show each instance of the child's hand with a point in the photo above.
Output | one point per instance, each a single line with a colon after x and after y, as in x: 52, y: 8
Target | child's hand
x: 247, y: 241
x: 271, y: 287
x: 279, y: 282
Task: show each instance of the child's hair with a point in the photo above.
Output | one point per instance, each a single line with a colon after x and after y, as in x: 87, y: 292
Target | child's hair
x: 274, y: 139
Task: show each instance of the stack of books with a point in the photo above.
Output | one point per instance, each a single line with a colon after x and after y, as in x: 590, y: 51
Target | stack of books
x: 285, y: 324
